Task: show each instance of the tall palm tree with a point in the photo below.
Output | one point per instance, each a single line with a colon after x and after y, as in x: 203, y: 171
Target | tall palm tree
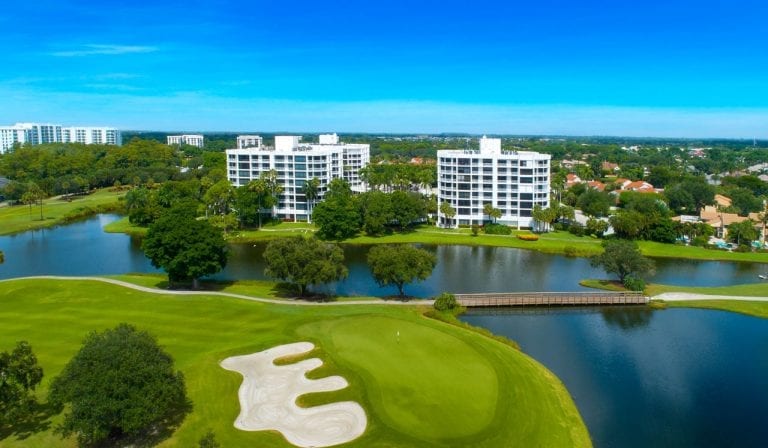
x: 311, y: 192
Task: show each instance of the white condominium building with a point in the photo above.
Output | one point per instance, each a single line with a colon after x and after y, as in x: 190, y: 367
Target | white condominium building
x: 187, y: 139
x: 249, y: 141
x: 39, y: 133
x: 511, y: 181
x: 295, y: 164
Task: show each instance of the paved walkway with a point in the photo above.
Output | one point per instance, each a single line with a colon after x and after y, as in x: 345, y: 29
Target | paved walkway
x: 678, y: 296
x: 225, y: 294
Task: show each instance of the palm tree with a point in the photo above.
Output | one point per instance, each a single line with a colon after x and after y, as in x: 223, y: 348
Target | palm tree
x: 311, y: 192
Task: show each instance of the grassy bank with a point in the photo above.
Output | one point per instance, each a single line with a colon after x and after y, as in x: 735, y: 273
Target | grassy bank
x: 20, y: 218
x: 437, y: 385
x: 749, y: 289
x: 553, y: 242
x: 757, y: 309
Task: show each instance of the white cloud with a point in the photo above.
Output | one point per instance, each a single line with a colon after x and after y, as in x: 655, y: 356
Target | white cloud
x: 100, y: 49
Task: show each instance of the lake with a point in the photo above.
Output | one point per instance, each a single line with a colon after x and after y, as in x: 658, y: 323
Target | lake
x: 82, y: 248
x: 652, y: 378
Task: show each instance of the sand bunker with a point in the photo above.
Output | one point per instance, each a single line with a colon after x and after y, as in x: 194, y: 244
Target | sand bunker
x: 268, y: 399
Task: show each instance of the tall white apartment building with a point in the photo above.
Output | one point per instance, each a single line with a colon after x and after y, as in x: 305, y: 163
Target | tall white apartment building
x: 39, y: 133
x: 511, y: 181
x: 187, y: 139
x: 295, y: 164
x: 91, y: 135
x: 249, y: 141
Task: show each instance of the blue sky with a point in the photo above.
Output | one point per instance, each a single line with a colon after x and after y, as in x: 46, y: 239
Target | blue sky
x: 588, y: 67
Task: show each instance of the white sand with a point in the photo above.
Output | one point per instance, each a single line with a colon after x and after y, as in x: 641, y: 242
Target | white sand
x: 268, y: 399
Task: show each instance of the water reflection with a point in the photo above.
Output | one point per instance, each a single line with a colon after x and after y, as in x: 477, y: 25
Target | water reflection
x: 627, y: 318
x: 646, y: 378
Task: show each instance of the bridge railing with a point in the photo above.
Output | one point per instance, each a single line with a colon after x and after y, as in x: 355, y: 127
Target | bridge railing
x: 552, y: 298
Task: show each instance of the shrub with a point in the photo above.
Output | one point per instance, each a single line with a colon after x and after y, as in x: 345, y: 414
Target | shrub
x: 576, y: 229
x: 475, y: 229
x: 497, y: 229
x: 445, y: 301
x: 528, y: 237
x: 634, y: 283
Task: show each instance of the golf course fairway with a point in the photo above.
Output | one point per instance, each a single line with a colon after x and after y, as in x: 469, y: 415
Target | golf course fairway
x: 421, y: 382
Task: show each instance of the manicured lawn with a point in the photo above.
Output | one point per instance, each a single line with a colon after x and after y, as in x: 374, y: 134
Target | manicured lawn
x: 19, y: 218
x: 439, y: 385
x: 551, y: 242
x: 757, y: 309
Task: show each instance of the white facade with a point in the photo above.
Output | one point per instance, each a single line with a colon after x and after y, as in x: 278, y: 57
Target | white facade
x: 512, y: 181
x: 91, y: 135
x: 297, y: 164
x: 249, y: 141
x: 39, y: 133
x: 187, y: 139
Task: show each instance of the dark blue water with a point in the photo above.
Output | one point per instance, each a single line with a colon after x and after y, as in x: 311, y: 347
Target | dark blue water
x: 644, y: 378
x: 83, y: 248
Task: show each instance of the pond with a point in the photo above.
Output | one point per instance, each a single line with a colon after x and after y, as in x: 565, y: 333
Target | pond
x: 652, y: 378
x: 83, y: 248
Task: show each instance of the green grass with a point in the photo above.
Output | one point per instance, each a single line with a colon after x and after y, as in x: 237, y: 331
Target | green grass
x: 608, y: 285
x: 552, y: 242
x: 748, y: 289
x: 439, y: 386
x: 757, y: 309
x: 19, y: 218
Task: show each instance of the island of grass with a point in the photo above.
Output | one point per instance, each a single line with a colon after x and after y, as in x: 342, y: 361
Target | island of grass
x: 434, y: 385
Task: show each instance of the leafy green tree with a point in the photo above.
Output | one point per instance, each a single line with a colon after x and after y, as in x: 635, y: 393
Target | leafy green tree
x: 376, y: 210
x: 407, y: 207
x: 400, y: 264
x: 448, y: 211
x: 219, y: 198
x: 142, y: 206
x: 594, y: 203
x: 304, y: 262
x: 690, y: 195
x: 250, y: 200
x: 663, y: 231
x: 184, y: 247
x: 120, y: 384
x: 34, y: 195
x: 338, y: 216
x: 628, y: 224
x: 744, y: 201
x: 743, y: 232
x: 623, y: 258
x: 596, y: 227
x: 19, y: 376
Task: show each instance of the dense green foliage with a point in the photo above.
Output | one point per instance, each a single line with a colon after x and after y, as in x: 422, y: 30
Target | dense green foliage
x: 184, y: 247
x: 338, y: 216
x: 400, y: 264
x: 19, y: 376
x: 623, y: 258
x: 120, y: 384
x: 304, y: 262
x: 445, y: 301
x: 497, y: 229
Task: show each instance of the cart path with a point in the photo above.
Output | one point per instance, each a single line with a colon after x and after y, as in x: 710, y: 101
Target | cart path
x: 223, y: 294
x: 681, y: 296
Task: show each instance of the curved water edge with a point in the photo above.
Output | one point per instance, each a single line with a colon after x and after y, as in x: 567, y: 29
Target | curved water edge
x: 643, y: 377
x: 82, y: 248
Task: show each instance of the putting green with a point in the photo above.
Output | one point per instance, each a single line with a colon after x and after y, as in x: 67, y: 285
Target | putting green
x: 440, y: 386
x: 425, y: 382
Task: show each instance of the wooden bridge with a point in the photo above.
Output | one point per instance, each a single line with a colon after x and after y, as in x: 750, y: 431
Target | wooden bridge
x: 551, y: 299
